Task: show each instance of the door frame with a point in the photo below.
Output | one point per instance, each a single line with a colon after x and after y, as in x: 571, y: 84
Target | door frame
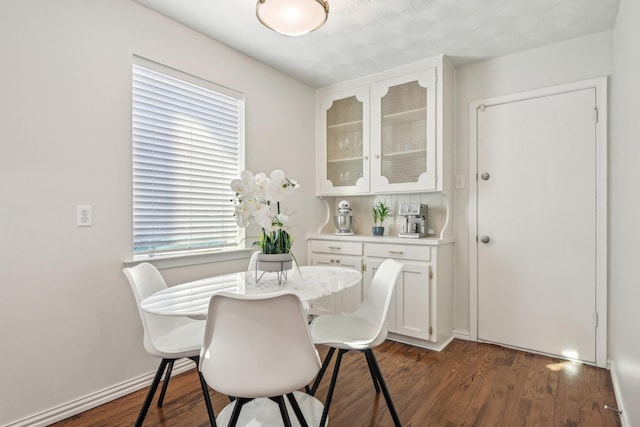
x: 601, y: 114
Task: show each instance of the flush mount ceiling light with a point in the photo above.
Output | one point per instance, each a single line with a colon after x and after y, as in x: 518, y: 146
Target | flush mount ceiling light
x: 292, y: 17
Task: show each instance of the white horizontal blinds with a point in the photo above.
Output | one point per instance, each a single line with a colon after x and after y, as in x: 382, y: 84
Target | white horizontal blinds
x: 186, y: 150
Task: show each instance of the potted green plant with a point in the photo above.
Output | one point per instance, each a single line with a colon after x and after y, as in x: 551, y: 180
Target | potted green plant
x: 380, y: 212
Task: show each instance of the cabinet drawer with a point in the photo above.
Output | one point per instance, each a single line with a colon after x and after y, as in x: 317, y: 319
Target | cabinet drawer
x: 413, y: 252
x: 335, y: 247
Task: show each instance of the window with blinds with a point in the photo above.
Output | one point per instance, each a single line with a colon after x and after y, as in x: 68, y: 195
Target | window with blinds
x: 187, y: 147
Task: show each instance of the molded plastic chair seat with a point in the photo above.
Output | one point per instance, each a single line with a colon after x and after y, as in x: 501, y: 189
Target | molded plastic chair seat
x: 180, y: 341
x: 361, y: 330
x: 170, y: 338
x: 347, y: 332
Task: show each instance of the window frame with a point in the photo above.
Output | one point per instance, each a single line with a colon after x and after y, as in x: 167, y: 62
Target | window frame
x: 186, y: 256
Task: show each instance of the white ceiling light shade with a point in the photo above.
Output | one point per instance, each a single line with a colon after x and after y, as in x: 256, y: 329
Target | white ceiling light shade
x: 292, y: 17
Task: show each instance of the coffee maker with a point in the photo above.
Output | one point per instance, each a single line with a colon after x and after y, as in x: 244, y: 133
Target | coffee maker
x: 415, y: 220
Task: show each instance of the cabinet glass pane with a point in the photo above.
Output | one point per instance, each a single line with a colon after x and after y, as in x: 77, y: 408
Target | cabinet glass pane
x: 404, y: 133
x: 344, y: 141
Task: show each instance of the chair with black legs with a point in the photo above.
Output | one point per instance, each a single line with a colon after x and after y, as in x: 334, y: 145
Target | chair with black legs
x: 361, y: 330
x: 259, y: 349
x: 167, y: 337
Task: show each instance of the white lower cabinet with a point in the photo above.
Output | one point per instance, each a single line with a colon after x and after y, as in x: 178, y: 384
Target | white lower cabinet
x: 409, y: 310
x: 337, y: 254
x: 421, y: 311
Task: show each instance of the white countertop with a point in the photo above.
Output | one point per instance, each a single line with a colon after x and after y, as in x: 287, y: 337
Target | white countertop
x: 367, y: 238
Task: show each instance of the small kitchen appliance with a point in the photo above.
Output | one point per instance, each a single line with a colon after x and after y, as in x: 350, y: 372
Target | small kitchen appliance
x: 344, y: 220
x: 415, y: 220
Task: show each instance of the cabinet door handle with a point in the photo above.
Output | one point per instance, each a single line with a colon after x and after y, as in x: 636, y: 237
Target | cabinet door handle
x: 337, y: 248
x: 377, y: 156
x: 396, y: 252
x: 366, y: 157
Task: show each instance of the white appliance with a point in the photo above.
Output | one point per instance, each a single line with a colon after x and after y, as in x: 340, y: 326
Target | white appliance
x: 415, y: 220
x: 344, y: 220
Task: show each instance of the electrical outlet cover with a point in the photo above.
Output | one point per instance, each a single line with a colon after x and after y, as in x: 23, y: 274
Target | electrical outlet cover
x: 84, y: 216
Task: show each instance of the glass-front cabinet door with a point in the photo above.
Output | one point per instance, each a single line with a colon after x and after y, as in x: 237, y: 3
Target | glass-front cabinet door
x: 343, y: 126
x: 403, y: 133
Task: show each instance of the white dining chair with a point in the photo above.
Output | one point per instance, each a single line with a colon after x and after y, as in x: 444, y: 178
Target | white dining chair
x: 258, y: 346
x: 167, y: 337
x: 361, y: 330
x: 253, y: 262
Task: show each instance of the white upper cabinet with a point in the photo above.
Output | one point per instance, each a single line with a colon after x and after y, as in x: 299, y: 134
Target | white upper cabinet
x: 387, y: 133
x: 403, y: 133
x: 343, y: 155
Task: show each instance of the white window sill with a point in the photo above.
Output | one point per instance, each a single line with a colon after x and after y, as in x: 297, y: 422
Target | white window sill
x: 192, y: 258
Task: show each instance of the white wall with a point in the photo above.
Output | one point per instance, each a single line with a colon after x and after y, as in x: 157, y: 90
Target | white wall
x: 624, y: 211
x: 578, y: 59
x: 69, y: 323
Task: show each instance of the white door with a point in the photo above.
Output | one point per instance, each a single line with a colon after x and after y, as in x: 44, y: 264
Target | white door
x: 536, y: 224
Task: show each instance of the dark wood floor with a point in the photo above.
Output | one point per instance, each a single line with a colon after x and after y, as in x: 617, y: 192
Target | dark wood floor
x: 467, y: 384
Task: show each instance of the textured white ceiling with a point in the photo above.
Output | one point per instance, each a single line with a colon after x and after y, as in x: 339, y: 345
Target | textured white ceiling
x: 366, y: 36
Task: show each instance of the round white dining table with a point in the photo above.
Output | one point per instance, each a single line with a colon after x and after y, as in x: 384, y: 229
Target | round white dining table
x: 191, y: 299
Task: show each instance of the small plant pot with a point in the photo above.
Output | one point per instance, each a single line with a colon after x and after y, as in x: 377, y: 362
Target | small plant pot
x: 275, y: 262
x: 377, y: 230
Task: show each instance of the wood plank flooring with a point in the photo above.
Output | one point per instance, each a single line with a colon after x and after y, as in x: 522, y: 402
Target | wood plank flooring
x: 467, y: 384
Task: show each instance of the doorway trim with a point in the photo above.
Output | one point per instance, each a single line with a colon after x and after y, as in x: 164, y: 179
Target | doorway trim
x: 601, y: 115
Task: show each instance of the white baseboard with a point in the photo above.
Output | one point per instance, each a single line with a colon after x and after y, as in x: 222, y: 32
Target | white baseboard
x: 98, y: 398
x: 624, y: 420
x: 461, y: 334
x: 437, y: 346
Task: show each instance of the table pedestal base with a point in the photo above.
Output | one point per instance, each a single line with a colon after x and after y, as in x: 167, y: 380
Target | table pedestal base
x: 264, y: 412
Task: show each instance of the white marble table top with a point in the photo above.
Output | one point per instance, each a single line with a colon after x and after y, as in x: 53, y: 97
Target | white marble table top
x: 192, y: 298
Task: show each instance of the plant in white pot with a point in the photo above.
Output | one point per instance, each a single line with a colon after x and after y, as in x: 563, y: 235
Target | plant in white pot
x: 380, y: 212
x: 257, y: 200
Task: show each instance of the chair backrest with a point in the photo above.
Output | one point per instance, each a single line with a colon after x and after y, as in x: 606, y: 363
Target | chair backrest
x: 375, y: 305
x: 257, y: 345
x: 145, y: 279
x: 253, y: 261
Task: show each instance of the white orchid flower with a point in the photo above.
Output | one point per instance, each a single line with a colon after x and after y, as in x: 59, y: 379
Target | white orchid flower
x: 257, y: 200
x: 277, y: 175
x: 264, y: 218
x: 282, y: 219
x: 244, y: 187
x: 277, y: 186
x: 261, y: 186
x: 237, y: 187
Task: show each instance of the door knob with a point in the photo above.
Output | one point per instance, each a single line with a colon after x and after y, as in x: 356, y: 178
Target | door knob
x: 485, y: 176
x: 485, y: 239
